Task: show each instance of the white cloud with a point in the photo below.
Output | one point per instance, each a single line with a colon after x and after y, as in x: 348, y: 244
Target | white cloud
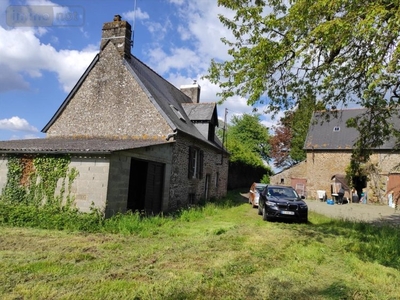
x: 134, y: 15
x: 17, y: 124
x: 23, y: 54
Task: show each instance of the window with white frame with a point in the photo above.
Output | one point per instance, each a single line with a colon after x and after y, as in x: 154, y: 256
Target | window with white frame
x: 195, y: 163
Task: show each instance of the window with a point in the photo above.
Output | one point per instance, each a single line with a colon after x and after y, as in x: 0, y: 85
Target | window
x: 195, y: 163
x: 178, y: 113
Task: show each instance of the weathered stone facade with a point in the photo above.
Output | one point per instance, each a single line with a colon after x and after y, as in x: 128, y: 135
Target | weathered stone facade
x: 320, y: 166
x: 110, y: 103
x: 182, y: 187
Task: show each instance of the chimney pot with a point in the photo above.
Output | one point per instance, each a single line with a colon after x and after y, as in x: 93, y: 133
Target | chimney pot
x: 119, y: 33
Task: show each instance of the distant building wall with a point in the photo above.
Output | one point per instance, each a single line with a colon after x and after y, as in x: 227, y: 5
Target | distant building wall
x: 321, y: 166
x: 285, y: 177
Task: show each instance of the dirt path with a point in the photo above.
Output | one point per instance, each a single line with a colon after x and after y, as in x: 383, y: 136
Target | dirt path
x: 356, y: 211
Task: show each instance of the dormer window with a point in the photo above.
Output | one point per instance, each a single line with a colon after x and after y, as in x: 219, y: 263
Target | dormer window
x: 336, y: 129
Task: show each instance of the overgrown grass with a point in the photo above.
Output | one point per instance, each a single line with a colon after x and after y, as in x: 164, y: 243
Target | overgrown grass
x: 222, y: 250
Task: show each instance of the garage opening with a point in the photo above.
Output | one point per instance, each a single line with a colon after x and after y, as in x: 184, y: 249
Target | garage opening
x: 145, y: 186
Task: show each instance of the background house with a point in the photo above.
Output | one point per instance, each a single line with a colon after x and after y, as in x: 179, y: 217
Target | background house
x: 329, y: 146
x: 137, y: 141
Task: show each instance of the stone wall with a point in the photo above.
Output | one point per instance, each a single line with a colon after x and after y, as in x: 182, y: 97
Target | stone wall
x: 321, y: 166
x: 181, y: 186
x: 110, y: 103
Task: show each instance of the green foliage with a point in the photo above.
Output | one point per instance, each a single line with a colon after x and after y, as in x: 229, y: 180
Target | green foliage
x: 343, y: 52
x: 39, y: 188
x: 265, y: 179
x: 251, y: 133
x: 223, y: 251
x: 247, y: 140
x: 13, y: 191
x: 49, y: 217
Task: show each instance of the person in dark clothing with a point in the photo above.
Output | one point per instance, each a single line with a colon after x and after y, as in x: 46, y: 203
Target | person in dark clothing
x: 340, y: 196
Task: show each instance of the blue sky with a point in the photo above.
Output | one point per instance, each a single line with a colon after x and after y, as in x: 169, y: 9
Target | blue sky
x: 39, y: 65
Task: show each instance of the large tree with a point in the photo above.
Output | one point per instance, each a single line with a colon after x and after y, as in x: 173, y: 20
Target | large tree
x: 341, y: 51
x: 248, y: 140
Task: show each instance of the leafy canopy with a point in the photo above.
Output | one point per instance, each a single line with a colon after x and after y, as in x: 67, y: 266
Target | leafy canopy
x: 248, y: 140
x: 341, y: 51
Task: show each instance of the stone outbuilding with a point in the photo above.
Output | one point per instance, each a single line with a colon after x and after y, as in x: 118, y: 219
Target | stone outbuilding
x: 329, y: 146
x: 134, y: 141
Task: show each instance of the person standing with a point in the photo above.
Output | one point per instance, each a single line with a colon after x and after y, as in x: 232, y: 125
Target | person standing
x: 340, y: 196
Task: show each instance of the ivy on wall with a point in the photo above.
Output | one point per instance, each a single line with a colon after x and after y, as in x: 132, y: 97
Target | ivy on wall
x: 34, y: 179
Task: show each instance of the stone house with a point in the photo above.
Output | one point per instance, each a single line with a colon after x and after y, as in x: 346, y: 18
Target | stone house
x: 329, y: 145
x: 136, y: 141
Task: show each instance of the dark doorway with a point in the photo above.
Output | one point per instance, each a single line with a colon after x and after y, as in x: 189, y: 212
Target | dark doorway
x: 359, y: 183
x: 145, y: 186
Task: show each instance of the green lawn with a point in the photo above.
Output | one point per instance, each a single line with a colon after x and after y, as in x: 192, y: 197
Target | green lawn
x: 215, y: 252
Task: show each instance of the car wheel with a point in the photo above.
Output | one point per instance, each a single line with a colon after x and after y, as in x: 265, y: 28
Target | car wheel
x: 264, y: 214
x: 259, y: 210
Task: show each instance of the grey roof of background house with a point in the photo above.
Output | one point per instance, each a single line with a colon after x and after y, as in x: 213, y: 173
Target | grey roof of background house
x: 333, y: 134
x: 75, y: 145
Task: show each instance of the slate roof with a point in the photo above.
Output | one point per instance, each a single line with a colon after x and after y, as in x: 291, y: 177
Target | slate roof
x: 333, y: 134
x: 201, y: 112
x: 75, y: 145
x: 168, y: 99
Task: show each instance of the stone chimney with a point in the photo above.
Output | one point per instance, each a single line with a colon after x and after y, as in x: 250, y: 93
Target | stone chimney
x: 118, y: 32
x: 192, y: 90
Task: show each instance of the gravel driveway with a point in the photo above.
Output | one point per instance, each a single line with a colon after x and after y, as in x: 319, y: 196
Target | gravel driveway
x: 372, y: 213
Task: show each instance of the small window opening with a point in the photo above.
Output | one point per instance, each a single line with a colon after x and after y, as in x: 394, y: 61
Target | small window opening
x: 178, y: 113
